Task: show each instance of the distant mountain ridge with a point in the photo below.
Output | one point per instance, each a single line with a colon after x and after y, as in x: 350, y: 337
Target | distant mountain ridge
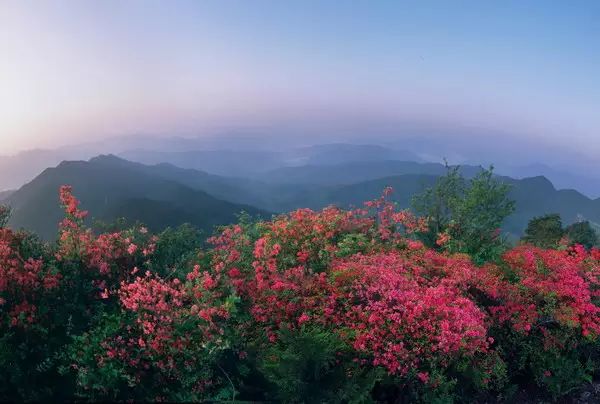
x: 340, y: 153
x: 353, y: 172
x: 110, y: 188
x: 164, y: 194
x: 234, y: 155
x: 20, y: 168
x: 255, y: 162
x: 533, y: 196
x: 562, y: 179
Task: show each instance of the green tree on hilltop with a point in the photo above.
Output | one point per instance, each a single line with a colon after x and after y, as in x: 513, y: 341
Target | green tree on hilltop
x: 582, y: 233
x: 466, y: 215
x: 544, y: 231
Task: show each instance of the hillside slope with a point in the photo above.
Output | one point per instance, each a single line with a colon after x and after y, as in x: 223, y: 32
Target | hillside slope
x: 163, y: 194
x: 109, y: 188
x: 533, y: 196
x: 350, y: 184
x: 354, y: 172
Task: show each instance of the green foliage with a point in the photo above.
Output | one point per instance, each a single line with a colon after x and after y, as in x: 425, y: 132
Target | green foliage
x: 175, y: 250
x: 560, y: 373
x: 311, y: 365
x: 107, y: 382
x: 118, y: 224
x: 470, y: 213
x: 440, y: 202
x: 4, y: 215
x: 108, y: 364
x: 544, y: 231
x: 352, y: 244
x: 582, y: 233
x: 558, y: 367
x: 478, y: 217
x: 547, y: 232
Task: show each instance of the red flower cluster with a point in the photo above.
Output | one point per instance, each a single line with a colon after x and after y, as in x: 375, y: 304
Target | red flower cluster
x: 22, y: 280
x: 171, y: 323
x: 402, y: 306
x: 404, y: 314
x: 551, y: 287
x: 113, y: 256
x: 70, y: 203
x: 401, y: 309
x: 359, y: 276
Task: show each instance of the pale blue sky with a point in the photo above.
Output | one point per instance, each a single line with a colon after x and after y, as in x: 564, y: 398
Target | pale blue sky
x: 81, y: 69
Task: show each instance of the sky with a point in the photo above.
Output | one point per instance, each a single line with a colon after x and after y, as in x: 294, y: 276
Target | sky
x: 84, y: 70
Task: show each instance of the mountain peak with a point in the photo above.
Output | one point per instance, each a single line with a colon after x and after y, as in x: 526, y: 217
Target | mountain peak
x: 539, y: 181
x: 108, y: 159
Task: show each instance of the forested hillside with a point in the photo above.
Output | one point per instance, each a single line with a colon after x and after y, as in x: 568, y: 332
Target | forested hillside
x: 111, y: 189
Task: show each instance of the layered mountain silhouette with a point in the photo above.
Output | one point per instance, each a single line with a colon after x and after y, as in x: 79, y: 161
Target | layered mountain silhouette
x: 20, y: 168
x: 111, y: 188
x: 534, y: 196
x: 256, y: 162
x: 164, y: 195
x: 353, y: 172
x: 236, y: 157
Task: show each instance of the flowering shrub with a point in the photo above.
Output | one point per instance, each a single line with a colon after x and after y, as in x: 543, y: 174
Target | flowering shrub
x: 403, y: 318
x: 551, y: 287
x: 328, y: 305
x: 164, y: 341
x: 28, y: 291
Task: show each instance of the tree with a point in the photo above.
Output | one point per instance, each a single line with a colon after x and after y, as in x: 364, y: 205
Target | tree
x: 466, y: 216
x: 439, y: 203
x: 544, y: 231
x: 582, y: 233
x: 4, y: 215
x: 175, y: 249
x: 479, y: 217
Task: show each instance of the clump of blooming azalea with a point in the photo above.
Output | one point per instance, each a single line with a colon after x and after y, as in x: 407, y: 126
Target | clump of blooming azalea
x: 361, y: 275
